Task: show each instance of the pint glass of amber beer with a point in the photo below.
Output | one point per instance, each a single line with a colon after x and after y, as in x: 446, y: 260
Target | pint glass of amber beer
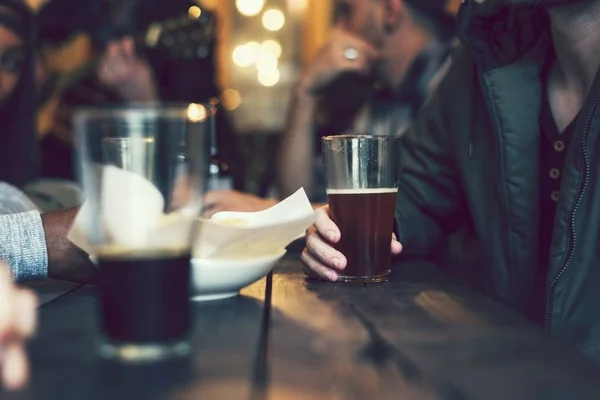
x: 362, y: 184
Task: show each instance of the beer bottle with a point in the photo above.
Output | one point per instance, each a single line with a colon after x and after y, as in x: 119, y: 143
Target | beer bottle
x: 219, y: 176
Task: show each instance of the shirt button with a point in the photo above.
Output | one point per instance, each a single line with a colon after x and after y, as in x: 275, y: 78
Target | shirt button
x: 559, y: 145
x: 554, y: 173
x: 554, y: 195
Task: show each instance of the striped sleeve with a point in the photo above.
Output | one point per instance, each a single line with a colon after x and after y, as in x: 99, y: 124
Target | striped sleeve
x: 22, y: 239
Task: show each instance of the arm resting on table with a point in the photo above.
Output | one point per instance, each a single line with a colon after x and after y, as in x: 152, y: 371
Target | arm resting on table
x: 23, y: 245
x: 36, y: 246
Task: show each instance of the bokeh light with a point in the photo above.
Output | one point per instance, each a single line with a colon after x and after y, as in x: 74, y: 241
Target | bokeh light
x: 266, y: 62
x: 196, y: 112
x: 231, y: 99
x: 255, y: 48
x: 273, y: 20
x: 269, y: 78
x: 249, y: 8
x: 271, y: 47
x: 194, y: 12
x: 243, y: 55
x: 297, y: 6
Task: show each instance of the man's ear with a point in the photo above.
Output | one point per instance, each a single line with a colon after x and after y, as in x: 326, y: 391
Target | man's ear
x: 394, y: 11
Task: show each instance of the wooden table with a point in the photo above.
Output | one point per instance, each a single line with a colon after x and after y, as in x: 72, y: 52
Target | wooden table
x: 418, y: 336
x: 50, y: 289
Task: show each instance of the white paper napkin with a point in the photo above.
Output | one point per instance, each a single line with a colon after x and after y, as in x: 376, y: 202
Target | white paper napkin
x: 242, y: 235
x: 133, y: 218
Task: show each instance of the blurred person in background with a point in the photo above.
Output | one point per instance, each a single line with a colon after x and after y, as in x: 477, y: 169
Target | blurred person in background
x: 372, y: 78
x: 18, y: 156
x: 508, y: 152
x: 119, y: 68
x: 34, y: 241
x: 382, y: 61
x: 19, y: 75
x: 17, y: 324
x: 34, y: 245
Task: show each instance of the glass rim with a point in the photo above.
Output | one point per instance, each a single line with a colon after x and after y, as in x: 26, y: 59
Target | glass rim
x: 146, y: 110
x: 361, y: 137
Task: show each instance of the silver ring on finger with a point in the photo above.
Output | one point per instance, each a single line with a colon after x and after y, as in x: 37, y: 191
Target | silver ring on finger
x: 351, y: 54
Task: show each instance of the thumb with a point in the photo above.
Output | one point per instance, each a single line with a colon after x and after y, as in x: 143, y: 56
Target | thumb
x: 396, y: 246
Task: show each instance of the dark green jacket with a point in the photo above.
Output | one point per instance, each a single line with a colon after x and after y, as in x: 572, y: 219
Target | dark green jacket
x: 470, y: 164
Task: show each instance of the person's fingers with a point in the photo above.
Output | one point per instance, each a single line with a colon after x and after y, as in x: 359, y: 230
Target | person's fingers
x: 25, y: 313
x: 101, y: 70
x: 120, y: 51
x: 370, y: 53
x: 128, y: 48
x: 323, y: 252
x: 14, y: 369
x: 113, y: 49
x: 117, y: 57
x: 336, y: 60
x: 110, y: 70
x: 326, y: 227
x: 344, y: 40
x: 215, y: 197
x: 316, y: 269
x: 6, y: 302
x: 117, y: 68
x: 396, y: 247
x: 366, y: 55
x: 209, y: 212
x: 359, y: 66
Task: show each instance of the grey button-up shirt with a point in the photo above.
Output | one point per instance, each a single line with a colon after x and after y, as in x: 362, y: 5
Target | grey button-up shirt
x: 22, y: 239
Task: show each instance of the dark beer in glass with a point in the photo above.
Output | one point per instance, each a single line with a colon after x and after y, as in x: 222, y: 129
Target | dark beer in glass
x: 362, y: 174
x: 143, y: 170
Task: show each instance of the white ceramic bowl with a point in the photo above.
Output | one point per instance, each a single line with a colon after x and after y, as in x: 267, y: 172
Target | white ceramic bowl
x: 214, y: 279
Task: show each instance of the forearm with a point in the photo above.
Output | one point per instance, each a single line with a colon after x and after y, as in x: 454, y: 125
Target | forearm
x: 297, y: 146
x: 65, y: 260
x: 23, y: 245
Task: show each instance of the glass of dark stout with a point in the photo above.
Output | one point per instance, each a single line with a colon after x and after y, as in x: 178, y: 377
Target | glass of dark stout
x: 362, y: 185
x: 129, y: 159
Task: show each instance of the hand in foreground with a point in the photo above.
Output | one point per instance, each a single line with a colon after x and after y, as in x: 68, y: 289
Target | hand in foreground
x: 345, y: 52
x: 319, y: 257
x: 232, y: 200
x: 17, y: 323
x: 125, y: 72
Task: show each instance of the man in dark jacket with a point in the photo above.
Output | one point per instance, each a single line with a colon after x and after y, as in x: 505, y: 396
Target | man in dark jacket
x: 508, y: 151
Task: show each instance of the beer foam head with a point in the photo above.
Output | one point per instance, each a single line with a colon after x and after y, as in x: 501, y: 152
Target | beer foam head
x: 363, y: 191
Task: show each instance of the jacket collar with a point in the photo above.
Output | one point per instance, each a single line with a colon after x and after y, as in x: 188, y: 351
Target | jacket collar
x: 499, y: 35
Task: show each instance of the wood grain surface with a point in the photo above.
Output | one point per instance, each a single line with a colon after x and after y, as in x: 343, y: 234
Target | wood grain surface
x: 420, y: 335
